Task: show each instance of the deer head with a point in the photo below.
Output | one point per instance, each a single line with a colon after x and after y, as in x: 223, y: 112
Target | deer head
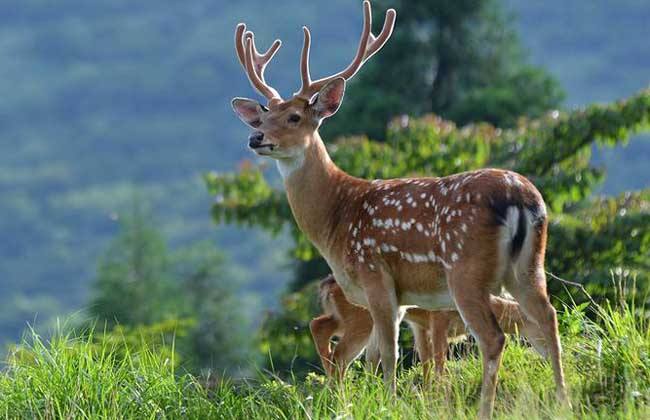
x: 283, y: 129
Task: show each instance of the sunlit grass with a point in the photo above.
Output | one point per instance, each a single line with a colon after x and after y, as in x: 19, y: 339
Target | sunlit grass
x: 607, y: 364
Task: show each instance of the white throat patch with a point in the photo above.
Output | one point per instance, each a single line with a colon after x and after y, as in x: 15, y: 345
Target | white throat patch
x: 288, y: 166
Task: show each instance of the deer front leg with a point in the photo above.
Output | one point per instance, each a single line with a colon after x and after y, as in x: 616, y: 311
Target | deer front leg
x: 322, y: 329
x: 382, y: 304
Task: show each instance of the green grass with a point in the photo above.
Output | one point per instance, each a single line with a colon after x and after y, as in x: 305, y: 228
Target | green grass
x: 607, y: 364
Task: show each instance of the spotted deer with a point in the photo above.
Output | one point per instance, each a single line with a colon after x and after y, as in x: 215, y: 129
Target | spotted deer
x: 435, y: 243
x: 432, y: 331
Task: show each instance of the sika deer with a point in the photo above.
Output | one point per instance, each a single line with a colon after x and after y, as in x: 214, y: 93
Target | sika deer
x: 436, y: 243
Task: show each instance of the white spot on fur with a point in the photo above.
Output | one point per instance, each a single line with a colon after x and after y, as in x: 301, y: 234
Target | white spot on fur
x: 369, y: 241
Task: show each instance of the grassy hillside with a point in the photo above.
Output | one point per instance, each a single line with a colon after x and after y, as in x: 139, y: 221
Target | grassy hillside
x: 607, y: 365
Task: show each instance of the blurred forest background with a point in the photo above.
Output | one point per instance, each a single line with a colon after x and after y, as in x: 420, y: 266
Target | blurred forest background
x: 112, y: 112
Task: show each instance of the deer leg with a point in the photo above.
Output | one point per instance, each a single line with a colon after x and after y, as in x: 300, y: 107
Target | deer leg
x: 382, y: 304
x: 529, y: 289
x: 439, y: 332
x: 372, y: 353
x: 322, y: 329
x: 473, y: 304
x: 423, y: 350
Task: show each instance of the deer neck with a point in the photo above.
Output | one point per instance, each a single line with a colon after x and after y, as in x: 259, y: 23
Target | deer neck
x: 315, y: 187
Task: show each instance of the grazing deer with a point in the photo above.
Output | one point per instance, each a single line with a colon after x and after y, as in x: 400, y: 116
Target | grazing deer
x: 435, y: 243
x: 432, y: 331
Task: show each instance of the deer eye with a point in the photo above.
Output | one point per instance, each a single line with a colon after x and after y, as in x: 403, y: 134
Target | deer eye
x: 294, y: 118
x: 265, y: 109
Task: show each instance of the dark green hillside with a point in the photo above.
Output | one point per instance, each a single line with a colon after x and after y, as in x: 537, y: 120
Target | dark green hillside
x: 106, y: 100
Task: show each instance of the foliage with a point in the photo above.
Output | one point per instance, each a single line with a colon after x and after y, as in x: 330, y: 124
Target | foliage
x: 284, y: 337
x: 145, y: 288
x: 458, y: 59
x: 606, y: 357
x: 605, y: 236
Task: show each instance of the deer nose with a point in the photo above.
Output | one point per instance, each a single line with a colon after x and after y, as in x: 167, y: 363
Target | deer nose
x: 255, y: 139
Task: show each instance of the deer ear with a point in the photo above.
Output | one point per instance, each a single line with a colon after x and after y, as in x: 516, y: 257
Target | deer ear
x: 248, y: 110
x: 329, y: 98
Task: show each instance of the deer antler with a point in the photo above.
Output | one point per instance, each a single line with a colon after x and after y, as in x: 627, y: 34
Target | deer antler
x: 368, y: 46
x: 254, y: 63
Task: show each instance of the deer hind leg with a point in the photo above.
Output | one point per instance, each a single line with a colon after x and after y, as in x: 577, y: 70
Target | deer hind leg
x: 322, y: 329
x: 471, y: 295
x: 528, y: 287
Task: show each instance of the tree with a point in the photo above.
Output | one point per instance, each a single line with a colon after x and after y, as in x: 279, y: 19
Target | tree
x: 142, y: 286
x: 133, y: 285
x: 458, y: 59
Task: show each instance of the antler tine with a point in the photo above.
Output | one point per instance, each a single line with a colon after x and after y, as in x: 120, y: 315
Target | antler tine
x: 239, y: 44
x: 304, y: 61
x: 261, y: 60
x: 375, y: 44
x: 368, y: 46
x: 257, y: 82
x: 254, y: 63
